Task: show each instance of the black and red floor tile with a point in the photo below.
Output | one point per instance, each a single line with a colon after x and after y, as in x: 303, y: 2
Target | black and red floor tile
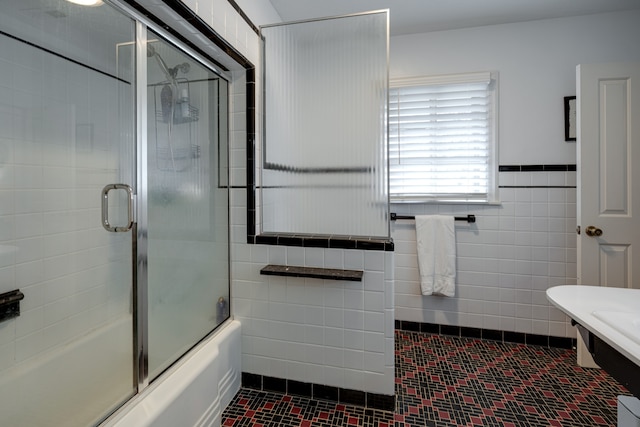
x: 449, y: 381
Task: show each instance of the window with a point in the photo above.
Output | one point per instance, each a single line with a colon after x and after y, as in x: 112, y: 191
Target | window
x: 442, y: 144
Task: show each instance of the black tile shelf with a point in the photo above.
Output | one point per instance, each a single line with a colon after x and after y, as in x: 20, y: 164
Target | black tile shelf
x: 313, y: 272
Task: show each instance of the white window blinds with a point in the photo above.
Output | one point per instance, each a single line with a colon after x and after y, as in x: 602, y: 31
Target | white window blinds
x: 441, y: 138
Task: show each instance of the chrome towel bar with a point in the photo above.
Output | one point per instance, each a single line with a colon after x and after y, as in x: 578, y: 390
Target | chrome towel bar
x: 468, y: 218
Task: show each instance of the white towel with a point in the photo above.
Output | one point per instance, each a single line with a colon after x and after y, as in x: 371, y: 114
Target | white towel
x: 435, y: 235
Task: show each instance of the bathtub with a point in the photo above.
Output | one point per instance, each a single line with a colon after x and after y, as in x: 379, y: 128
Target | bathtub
x: 29, y: 391
x: 194, y: 392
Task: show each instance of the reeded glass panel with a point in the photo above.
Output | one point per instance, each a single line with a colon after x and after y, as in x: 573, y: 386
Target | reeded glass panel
x: 66, y: 131
x: 187, y: 202
x: 324, y: 162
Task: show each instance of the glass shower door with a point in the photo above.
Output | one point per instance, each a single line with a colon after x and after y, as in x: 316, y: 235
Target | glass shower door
x: 66, y: 131
x: 187, y: 202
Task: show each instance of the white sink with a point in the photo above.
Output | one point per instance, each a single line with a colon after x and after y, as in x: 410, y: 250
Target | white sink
x: 612, y: 314
x: 627, y: 323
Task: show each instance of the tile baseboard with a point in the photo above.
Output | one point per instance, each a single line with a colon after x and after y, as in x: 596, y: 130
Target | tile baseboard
x: 382, y: 402
x: 487, y: 334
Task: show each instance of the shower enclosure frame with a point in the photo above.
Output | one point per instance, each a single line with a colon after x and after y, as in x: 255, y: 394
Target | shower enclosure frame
x: 100, y: 324
x: 140, y: 273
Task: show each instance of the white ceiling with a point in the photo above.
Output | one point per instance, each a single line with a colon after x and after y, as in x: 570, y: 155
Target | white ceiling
x: 418, y: 16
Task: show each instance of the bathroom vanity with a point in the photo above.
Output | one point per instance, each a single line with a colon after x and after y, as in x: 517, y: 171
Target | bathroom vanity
x: 608, y: 319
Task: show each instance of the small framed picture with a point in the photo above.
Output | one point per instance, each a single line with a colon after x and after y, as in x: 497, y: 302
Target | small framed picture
x: 570, y: 118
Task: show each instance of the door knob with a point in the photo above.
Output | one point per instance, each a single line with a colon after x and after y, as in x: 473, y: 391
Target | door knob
x: 593, y: 231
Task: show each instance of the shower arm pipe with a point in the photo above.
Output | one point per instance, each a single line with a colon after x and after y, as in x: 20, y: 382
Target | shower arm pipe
x: 468, y: 218
x: 151, y: 51
x: 170, y: 73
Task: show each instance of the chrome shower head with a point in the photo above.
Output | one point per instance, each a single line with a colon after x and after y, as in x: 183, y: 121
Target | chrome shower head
x: 184, y: 67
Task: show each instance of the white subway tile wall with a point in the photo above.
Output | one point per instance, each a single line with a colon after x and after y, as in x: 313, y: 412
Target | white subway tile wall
x: 505, y: 261
x: 225, y: 20
x: 52, y: 245
x: 337, y: 333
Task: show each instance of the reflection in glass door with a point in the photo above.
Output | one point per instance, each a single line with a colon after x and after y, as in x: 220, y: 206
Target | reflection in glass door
x: 66, y: 131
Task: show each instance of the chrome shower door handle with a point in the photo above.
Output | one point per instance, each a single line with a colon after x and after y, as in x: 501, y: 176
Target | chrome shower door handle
x: 105, y: 208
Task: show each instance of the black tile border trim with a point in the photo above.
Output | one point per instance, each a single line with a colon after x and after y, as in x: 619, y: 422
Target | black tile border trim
x: 381, y: 402
x: 312, y: 272
x: 244, y: 16
x: 537, y: 186
x: 537, y: 168
x: 250, y: 153
x: 487, y: 334
x: 320, y: 241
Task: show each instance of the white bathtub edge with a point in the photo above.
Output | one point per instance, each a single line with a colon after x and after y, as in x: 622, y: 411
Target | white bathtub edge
x: 193, y: 393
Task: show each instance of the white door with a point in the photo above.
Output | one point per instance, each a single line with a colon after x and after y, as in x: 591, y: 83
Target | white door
x: 608, y: 197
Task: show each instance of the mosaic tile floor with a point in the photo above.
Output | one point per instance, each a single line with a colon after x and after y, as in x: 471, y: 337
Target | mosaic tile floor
x: 448, y: 381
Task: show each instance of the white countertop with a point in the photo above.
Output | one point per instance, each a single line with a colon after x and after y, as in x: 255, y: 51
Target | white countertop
x: 612, y: 314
